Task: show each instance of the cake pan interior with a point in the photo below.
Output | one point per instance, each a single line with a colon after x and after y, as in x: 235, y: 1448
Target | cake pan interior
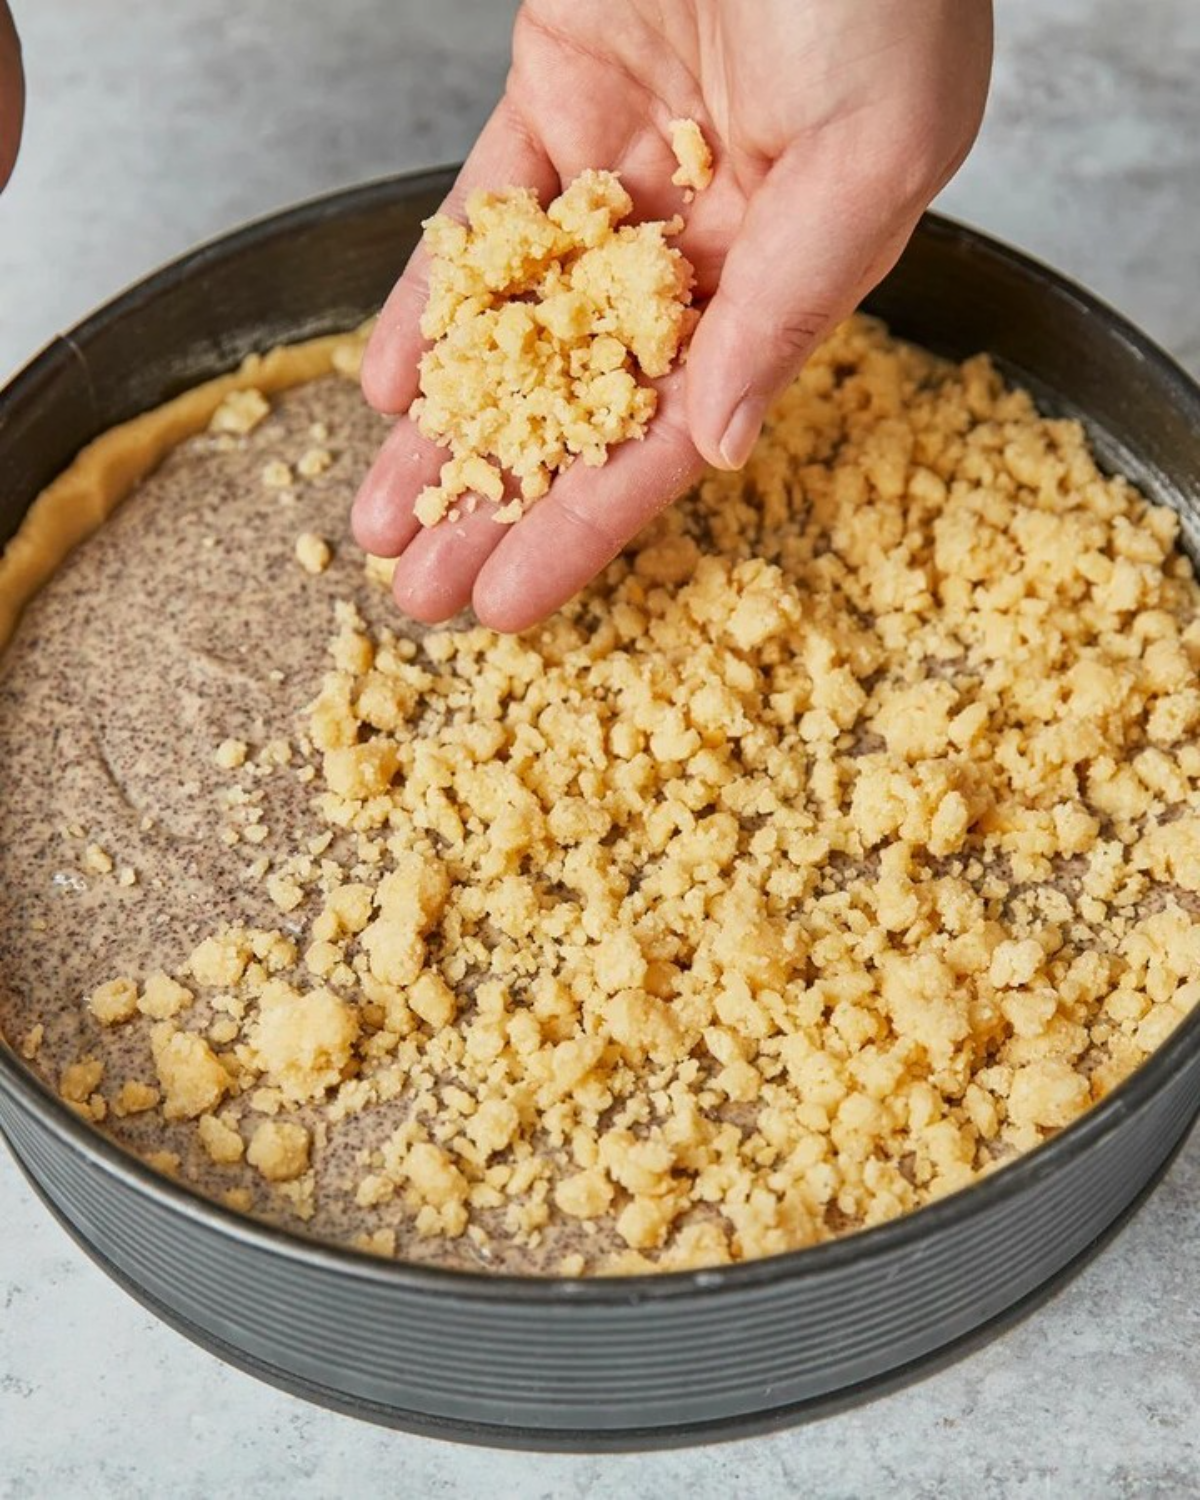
x: 608, y: 1363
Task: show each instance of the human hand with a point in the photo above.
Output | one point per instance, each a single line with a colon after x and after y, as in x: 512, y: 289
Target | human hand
x: 12, y: 94
x: 832, y: 126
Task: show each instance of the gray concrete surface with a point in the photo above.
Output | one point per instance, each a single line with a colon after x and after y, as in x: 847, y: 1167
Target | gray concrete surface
x: 153, y: 126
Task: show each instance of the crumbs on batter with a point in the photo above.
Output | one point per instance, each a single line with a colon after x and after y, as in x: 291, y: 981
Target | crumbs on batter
x: 840, y: 842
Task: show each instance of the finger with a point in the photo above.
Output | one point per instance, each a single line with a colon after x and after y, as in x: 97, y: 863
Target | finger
x: 390, y: 362
x: 813, y: 242
x: 437, y: 565
x: 437, y: 570
x: 586, y: 518
x: 506, y: 154
x: 12, y: 94
x: 382, y: 517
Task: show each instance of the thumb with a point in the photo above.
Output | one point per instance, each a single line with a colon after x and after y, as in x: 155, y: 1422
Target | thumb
x: 807, y: 251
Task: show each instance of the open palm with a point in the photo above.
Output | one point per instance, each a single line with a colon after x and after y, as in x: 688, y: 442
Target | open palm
x: 832, y: 126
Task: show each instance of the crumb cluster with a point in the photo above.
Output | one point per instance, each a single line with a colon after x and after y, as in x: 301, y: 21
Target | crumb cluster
x: 691, y: 151
x: 544, y: 322
x: 839, y: 843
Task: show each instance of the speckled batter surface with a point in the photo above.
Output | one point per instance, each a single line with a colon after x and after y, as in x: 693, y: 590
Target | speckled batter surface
x: 163, y: 635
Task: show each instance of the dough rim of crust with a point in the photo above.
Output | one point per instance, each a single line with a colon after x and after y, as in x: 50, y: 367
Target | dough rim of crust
x: 78, y: 501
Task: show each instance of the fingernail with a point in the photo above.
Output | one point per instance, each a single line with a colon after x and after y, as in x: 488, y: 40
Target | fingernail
x: 742, y: 431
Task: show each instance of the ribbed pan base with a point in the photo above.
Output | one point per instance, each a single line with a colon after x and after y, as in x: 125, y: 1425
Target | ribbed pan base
x: 635, y: 1438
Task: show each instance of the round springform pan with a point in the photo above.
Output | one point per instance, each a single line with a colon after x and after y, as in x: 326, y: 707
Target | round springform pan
x: 611, y: 1362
